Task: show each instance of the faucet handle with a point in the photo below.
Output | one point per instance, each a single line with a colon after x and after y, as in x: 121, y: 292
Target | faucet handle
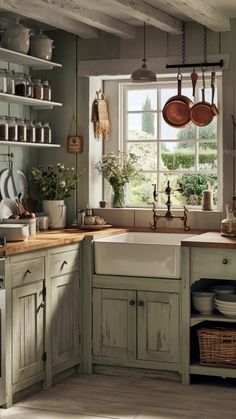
x: 155, y: 193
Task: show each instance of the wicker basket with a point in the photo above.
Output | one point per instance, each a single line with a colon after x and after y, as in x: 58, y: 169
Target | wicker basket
x: 217, y: 347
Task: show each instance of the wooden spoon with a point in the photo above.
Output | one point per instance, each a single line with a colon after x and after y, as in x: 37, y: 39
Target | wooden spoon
x: 214, y: 108
x: 194, y: 77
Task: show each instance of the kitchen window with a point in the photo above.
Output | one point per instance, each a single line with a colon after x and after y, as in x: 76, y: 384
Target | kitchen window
x: 190, y: 155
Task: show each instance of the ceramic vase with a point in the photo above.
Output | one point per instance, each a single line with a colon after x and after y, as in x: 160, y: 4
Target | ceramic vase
x: 56, y: 210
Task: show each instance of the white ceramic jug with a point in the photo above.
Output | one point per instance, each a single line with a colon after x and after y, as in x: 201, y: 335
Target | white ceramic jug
x: 56, y: 210
x: 17, y: 38
x: 41, y: 46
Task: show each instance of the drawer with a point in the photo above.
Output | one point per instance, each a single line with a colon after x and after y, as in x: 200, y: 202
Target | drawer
x: 27, y: 271
x: 213, y: 263
x: 64, y: 262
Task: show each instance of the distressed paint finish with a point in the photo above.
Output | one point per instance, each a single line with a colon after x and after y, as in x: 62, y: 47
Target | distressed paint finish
x: 158, y: 326
x: 28, y: 331
x: 114, y: 323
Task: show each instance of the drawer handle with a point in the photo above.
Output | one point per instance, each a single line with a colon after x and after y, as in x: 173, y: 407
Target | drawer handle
x: 131, y: 302
x: 225, y: 261
x: 64, y: 263
x: 29, y: 271
x: 141, y: 303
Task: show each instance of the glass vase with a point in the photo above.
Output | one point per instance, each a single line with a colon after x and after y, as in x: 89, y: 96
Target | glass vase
x: 118, y: 196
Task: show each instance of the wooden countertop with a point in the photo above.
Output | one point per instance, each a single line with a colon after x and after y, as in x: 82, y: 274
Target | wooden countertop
x: 210, y: 240
x: 51, y: 238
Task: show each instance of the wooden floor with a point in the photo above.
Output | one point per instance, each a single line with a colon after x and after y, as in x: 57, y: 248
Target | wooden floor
x: 99, y: 396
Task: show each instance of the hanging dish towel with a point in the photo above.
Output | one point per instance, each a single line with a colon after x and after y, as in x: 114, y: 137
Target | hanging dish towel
x: 100, y: 117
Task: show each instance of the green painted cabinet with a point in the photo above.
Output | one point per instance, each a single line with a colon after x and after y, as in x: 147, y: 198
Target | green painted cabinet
x: 136, y: 325
x: 114, y: 323
x: 28, y: 332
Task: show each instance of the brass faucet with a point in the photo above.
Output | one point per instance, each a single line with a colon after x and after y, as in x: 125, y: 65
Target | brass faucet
x: 168, y: 215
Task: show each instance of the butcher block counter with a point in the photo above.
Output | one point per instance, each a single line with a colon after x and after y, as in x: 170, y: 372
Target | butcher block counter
x: 51, y: 238
x: 210, y: 240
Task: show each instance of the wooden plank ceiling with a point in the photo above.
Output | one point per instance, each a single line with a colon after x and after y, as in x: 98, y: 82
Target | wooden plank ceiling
x: 120, y: 17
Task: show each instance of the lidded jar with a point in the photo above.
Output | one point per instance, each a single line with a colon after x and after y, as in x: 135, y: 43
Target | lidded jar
x: 30, y: 129
x: 3, y: 128
x: 12, y: 129
x: 38, y: 89
x: 47, y: 91
x: 47, y: 132
x: 20, y: 84
x: 22, y: 133
x: 10, y: 82
x: 228, y: 225
x: 39, y: 132
x: 3, y: 81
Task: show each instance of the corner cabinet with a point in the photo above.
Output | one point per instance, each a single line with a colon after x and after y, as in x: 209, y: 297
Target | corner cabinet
x: 35, y: 64
x: 137, y: 326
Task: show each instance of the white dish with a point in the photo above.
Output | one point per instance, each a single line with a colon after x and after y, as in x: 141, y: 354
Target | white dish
x: 229, y: 298
x: 228, y: 313
x: 223, y: 289
x: 30, y: 221
x: 7, y: 208
x: 6, y: 186
x: 14, y: 232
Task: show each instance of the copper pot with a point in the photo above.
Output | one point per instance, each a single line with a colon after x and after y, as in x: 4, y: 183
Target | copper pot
x: 201, y: 112
x: 176, y: 111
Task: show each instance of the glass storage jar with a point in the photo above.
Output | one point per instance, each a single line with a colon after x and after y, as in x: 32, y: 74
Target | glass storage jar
x: 39, y: 132
x: 3, y: 128
x: 30, y: 128
x: 20, y: 84
x: 3, y: 81
x: 29, y: 86
x: 47, y: 91
x: 12, y: 129
x: 47, y: 132
x: 22, y: 134
x: 10, y: 82
x: 38, y: 89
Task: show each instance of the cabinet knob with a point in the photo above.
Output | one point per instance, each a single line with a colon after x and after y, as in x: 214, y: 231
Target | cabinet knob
x: 225, y: 261
x: 64, y: 263
x: 141, y: 303
x: 131, y: 302
x: 29, y: 271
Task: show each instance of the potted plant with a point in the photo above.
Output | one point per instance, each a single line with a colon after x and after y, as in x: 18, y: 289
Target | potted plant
x: 118, y: 170
x: 53, y: 186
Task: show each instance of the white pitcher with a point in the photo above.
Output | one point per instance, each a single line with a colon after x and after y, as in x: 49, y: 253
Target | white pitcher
x: 56, y: 210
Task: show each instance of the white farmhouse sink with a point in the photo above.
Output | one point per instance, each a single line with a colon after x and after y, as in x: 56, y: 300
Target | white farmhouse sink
x: 140, y: 254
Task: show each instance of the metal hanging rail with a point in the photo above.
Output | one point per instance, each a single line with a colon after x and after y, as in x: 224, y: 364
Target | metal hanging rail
x: 11, y: 155
x: 216, y: 64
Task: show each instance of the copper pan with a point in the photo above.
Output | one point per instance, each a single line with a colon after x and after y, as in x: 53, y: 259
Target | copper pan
x: 176, y: 111
x: 201, y: 112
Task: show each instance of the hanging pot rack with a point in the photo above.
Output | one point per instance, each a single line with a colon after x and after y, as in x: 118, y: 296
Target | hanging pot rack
x: 200, y: 65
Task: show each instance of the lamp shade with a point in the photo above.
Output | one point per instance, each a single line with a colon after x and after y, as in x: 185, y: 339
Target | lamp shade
x: 143, y: 74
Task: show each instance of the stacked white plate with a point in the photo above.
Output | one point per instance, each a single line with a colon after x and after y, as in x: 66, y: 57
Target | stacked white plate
x: 226, y: 304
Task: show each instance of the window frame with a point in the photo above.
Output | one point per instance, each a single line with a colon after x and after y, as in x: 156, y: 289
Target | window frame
x: 170, y: 82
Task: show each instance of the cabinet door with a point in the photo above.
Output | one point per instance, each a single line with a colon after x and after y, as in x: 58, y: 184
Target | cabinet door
x: 28, y: 331
x: 114, y: 323
x: 65, y: 318
x: 158, y: 326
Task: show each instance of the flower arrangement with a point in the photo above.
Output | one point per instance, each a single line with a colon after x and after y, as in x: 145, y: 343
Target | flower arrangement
x: 55, y: 184
x: 118, y: 170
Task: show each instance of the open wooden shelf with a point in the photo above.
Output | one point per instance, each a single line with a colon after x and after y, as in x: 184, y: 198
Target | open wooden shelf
x: 23, y: 59
x: 215, y: 317
x: 28, y: 101
x: 25, y: 144
x: 223, y: 372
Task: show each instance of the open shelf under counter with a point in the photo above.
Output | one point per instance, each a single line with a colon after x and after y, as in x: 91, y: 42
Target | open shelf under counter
x: 24, y: 59
x: 25, y: 144
x: 223, y: 372
x: 28, y: 101
x: 216, y: 317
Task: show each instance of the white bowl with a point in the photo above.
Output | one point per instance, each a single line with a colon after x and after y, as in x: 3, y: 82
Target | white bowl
x: 14, y: 232
x: 223, y: 289
x: 228, y: 313
x: 203, y: 301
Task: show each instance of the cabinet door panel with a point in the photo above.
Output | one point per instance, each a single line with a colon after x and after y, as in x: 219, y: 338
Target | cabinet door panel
x: 65, y: 318
x: 114, y: 323
x: 28, y: 335
x: 158, y: 326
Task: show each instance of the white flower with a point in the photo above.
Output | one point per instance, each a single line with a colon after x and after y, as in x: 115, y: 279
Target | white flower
x: 62, y: 184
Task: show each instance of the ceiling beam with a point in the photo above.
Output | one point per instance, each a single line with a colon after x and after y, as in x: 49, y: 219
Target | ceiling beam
x: 71, y: 8
x: 149, y: 14
x: 200, y: 11
x: 34, y: 10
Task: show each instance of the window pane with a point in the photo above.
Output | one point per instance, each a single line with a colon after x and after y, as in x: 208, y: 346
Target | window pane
x: 140, y: 192
x: 209, y: 132
x: 140, y: 100
x: 166, y: 94
x: 208, y: 156
x: 170, y: 133
x: 193, y: 185
x: 142, y: 126
x: 177, y: 156
x: 147, y: 153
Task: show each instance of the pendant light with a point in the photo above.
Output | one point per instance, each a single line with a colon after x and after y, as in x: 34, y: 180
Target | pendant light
x: 143, y: 74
